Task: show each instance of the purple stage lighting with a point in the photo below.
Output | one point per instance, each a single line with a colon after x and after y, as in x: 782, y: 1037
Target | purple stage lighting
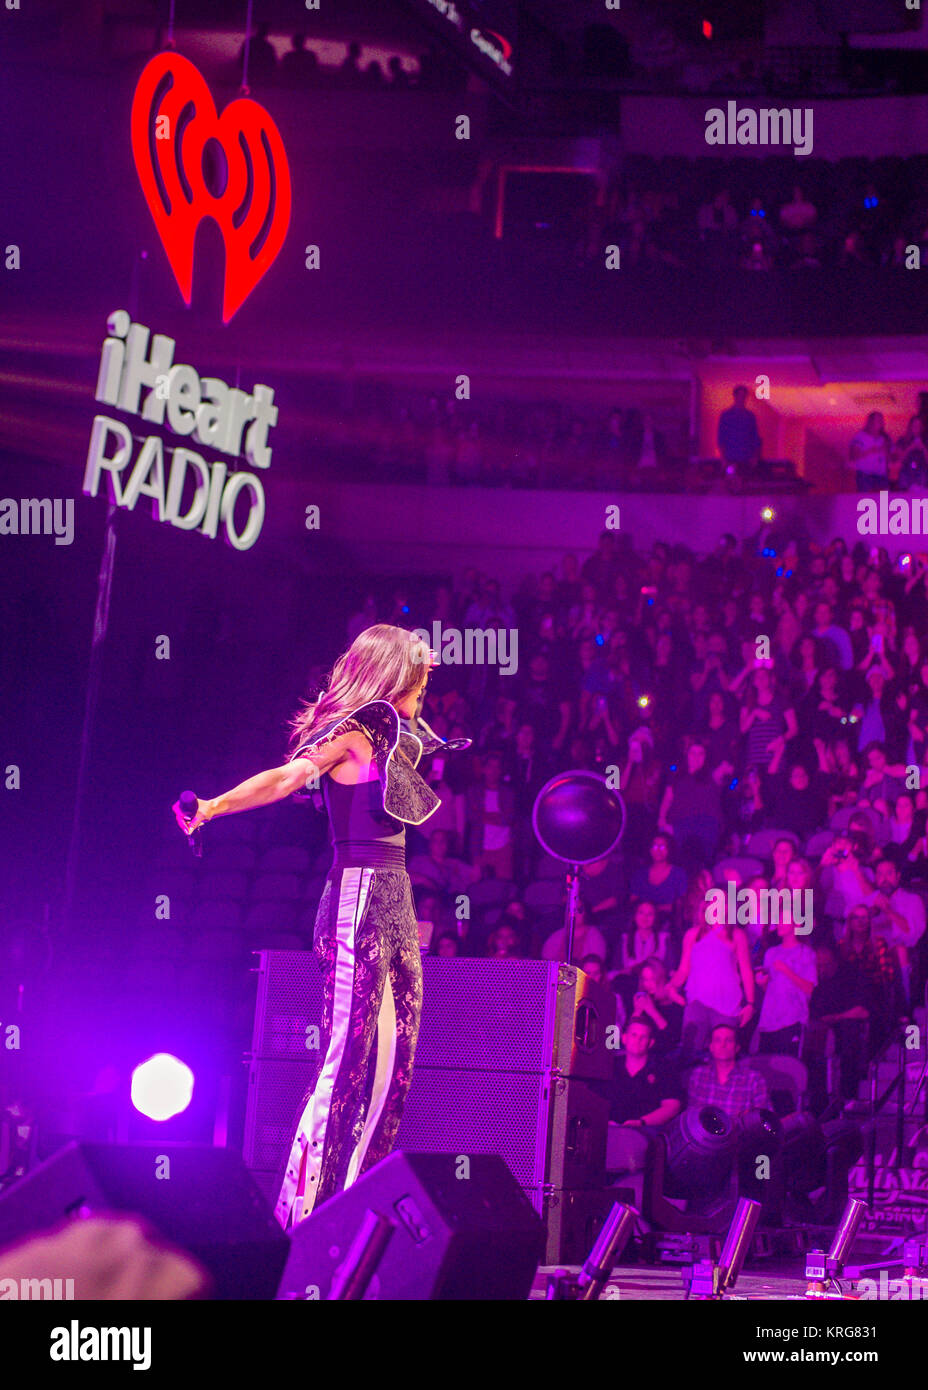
x: 162, y: 1087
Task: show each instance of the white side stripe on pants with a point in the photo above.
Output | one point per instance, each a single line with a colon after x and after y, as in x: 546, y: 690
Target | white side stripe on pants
x: 385, y: 1043
x: 354, y: 895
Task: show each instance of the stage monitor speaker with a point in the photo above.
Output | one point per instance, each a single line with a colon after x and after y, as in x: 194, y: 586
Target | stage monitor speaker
x: 463, y: 1229
x: 201, y: 1199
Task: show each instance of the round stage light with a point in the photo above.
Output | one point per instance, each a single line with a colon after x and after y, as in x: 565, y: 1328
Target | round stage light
x: 760, y: 1131
x: 577, y: 818
x: 162, y: 1087
x: 701, y: 1143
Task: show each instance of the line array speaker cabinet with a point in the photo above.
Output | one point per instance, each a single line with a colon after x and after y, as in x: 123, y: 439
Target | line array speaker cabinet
x: 199, y: 1198
x: 485, y: 1015
x: 506, y: 1062
x: 459, y: 1232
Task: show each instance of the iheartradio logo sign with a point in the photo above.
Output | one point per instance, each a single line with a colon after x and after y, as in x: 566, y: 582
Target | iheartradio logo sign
x: 174, y: 117
x: 493, y: 46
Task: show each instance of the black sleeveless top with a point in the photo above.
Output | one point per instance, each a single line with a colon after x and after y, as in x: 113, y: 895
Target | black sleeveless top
x: 357, y: 817
x: 369, y: 819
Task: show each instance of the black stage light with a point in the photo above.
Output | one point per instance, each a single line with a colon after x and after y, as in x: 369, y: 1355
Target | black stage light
x: 701, y: 1143
x: 760, y: 1132
x: 803, y: 1153
x: 760, y: 1169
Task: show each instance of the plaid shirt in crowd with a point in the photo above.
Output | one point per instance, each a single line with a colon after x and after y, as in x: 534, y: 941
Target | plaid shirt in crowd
x: 745, y: 1089
x: 877, y: 960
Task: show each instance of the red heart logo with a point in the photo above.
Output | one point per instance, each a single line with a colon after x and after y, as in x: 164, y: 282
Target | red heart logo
x: 173, y: 117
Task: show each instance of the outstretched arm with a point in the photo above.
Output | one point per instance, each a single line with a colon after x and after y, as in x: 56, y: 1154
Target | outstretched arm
x: 276, y: 782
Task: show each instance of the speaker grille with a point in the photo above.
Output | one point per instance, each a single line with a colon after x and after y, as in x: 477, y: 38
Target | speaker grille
x: 289, y: 1000
x: 457, y: 1112
x: 467, y: 1112
x: 488, y: 1015
x: 277, y: 1092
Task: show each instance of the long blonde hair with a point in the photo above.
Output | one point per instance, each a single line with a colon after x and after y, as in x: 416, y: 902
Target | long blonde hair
x: 382, y: 663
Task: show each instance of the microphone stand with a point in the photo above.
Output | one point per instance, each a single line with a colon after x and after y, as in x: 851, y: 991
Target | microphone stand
x: 570, y: 912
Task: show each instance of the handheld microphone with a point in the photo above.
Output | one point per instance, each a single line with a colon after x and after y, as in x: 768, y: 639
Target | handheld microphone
x: 188, y: 808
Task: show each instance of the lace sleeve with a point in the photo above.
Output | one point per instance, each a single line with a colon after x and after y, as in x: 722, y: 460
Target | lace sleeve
x: 307, y: 749
x: 345, y: 726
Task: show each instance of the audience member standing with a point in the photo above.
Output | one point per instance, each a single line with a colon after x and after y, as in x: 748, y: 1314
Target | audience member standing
x: 870, y: 453
x: 738, y: 437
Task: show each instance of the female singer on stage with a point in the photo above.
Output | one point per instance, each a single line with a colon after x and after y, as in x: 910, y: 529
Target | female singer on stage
x: 366, y: 940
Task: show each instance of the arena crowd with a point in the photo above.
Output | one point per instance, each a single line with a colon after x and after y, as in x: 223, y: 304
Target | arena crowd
x: 765, y: 717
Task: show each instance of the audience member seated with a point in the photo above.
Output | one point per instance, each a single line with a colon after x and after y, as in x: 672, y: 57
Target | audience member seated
x: 727, y: 1081
x: 643, y: 941
x: 491, y: 817
x: 660, y: 882
x: 605, y: 892
x: 643, y: 1095
x: 588, y: 940
x: 656, y: 999
x: 503, y: 943
x: 595, y: 967
x: 844, y: 877
x: 439, y: 870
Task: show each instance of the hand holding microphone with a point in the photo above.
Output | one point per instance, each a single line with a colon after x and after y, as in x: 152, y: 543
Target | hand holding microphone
x: 191, y: 813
